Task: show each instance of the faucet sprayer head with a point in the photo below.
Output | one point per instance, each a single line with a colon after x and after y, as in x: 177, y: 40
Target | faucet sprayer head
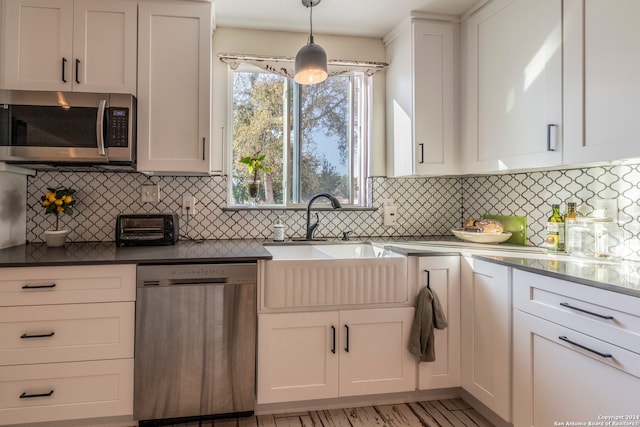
x: 335, y: 203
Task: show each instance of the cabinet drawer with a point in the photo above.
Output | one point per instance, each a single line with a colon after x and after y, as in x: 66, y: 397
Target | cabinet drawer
x: 69, y: 284
x: 73, y: 391
x: 607, y: 315
x: 68, y: 332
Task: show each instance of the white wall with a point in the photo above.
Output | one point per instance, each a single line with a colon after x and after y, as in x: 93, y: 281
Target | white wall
x: 13, y: 209
x: 280, y: 43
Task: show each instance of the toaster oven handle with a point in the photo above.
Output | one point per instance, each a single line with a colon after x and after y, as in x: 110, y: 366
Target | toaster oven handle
x: 100, y: 127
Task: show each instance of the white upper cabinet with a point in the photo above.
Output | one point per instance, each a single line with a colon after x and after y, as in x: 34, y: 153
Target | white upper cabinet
x: 105, y: 46
x: 67, y: 45
x: 512, y: 114
x: 174, y: 87
x: 422, y: 111
x: 602, y: 80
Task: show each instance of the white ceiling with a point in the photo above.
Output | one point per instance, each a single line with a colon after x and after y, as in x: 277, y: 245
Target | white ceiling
x: 371, y: 18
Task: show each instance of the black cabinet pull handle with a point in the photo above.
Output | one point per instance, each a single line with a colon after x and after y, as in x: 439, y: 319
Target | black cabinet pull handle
x: 428, y: 278
x: 550, y: 128
x: 24, y: 395
x: 64, y: 65
x: 582, y: 310
x: 77, y: 71
x: 25, y: 336
x: 421, y: 153
x: 52, y: 285
x: 346, y: 347
x: 605, y: 355
x: 204, y: 145
x: 333, y: 339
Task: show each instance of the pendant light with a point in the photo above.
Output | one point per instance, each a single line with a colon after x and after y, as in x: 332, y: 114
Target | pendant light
x: 311, y: 60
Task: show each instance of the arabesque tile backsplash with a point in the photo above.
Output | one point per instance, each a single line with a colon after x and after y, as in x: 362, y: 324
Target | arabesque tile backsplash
x: 426, y: 206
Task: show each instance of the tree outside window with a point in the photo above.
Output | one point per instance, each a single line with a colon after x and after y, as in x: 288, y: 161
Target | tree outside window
x: 310, y: 136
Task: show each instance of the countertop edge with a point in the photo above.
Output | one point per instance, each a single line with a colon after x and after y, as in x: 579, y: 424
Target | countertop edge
x: 567, y: 277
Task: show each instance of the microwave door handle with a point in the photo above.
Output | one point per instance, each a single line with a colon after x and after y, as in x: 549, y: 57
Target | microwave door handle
x: 100, y: 127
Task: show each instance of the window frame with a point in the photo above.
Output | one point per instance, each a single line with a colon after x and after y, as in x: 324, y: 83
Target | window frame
x: 361, y: 89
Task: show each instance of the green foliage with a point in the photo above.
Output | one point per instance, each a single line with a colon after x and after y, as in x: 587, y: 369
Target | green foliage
x: 261, y: 124
x: 254, y: 165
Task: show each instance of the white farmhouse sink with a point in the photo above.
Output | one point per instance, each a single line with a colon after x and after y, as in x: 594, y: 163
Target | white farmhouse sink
x: 296, y: 252
x: 323, y: 251
x: 310, y: 275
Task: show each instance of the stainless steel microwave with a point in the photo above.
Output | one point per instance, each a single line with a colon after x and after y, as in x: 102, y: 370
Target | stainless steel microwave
x: 67, y: 127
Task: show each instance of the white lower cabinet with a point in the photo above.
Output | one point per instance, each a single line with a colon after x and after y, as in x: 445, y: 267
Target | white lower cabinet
x: 58, y: 333
x: 66, y: 391
x: 563, y: 375
x: 486, y: 334
x: 66, y: 343
x: 326, y: 354
x: 442, y: 274
x: 575, y: 353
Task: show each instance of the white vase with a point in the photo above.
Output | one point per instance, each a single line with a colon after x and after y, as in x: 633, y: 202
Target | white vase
x: 55, y: 238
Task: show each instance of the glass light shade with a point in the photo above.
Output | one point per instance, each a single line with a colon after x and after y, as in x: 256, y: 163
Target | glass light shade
x: 311, y: 65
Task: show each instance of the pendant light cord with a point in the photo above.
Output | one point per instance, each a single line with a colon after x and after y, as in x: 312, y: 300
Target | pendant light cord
x: 311, y: 24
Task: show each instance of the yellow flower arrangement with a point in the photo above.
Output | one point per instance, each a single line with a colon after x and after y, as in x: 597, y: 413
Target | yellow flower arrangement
x: 57, y: 201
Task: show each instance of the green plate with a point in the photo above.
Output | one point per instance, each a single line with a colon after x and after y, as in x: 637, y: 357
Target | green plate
x: 516, y: 225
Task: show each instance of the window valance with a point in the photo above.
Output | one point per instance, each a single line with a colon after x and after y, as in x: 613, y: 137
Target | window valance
x: 283, y: 65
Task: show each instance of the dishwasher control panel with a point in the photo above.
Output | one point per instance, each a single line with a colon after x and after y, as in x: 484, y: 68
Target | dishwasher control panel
x: 196, y: 274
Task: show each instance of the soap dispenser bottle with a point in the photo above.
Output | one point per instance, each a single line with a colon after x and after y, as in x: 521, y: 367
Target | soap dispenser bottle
x: 278, y: 230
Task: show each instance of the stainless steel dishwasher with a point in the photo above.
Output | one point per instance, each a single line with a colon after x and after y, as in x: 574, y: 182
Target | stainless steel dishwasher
x: 195, y: 341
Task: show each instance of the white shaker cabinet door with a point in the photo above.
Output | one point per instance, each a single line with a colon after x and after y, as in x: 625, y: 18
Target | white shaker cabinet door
x: 374, y: 355
x: 486, y: 334
x: 513, y: 94
x: 561, y: 374
x: 105, y: 46
x: 443, y: 276
x: 297, y: 356
x: 38, y: 44
x: 602, y: 83
x: 422, y: 99
x: 174, y: 87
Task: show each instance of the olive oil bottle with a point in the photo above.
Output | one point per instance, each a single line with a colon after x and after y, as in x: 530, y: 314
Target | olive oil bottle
x: 555, y: 230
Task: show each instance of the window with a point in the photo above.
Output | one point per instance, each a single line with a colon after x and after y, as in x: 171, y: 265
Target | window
x: 315, y: 138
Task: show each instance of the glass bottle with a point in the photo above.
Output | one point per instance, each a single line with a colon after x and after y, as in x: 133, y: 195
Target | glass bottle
x: 569, y: 222
x: 555, y: 230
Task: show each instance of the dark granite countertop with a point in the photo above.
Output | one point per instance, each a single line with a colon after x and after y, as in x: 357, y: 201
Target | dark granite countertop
x: 621, y: 277
x: 38, y: 254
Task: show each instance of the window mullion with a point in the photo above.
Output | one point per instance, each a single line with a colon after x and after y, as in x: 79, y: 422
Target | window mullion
x: 297, y: 146
x: 286, y: 148
x: 350, y: 143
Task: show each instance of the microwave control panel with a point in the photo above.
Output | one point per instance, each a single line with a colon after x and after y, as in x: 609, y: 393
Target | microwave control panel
x: 118, y: 127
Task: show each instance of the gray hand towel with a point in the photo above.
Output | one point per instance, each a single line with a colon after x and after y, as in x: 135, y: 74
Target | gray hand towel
x: 429, y: 314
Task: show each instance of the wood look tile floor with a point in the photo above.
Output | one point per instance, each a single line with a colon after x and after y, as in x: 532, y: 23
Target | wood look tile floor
x: 435, y: 413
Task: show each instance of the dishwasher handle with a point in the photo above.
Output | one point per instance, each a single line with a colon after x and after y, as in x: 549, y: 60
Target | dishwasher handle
x: 204, y: 281
x: 185, y: 282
